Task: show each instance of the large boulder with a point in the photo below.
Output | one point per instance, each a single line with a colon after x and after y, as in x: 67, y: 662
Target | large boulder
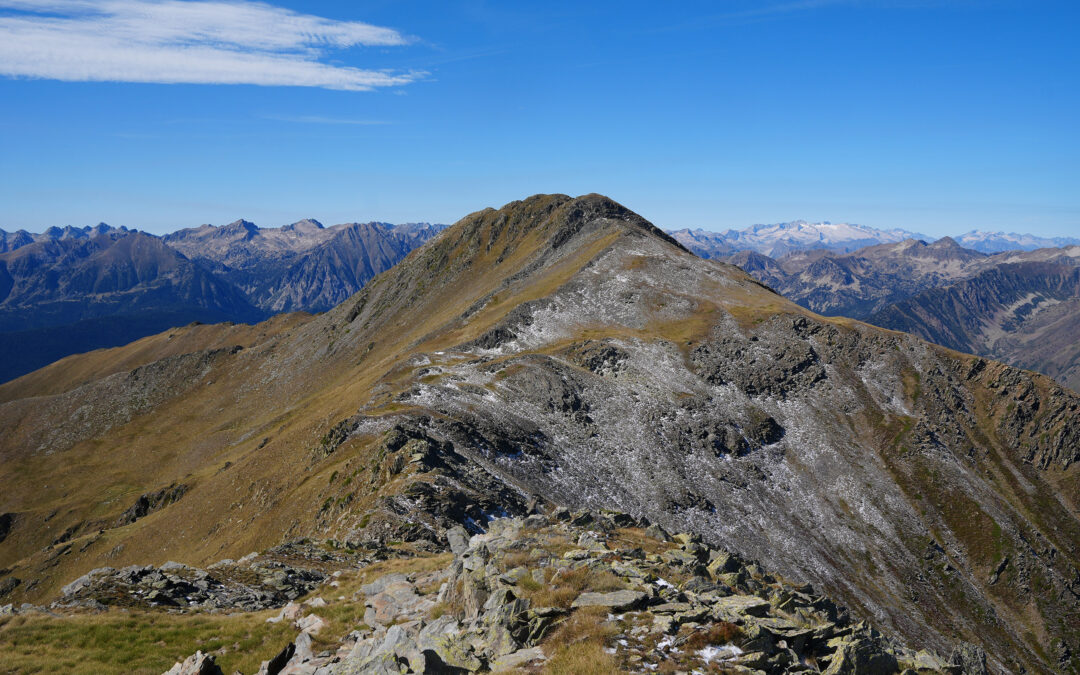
x: 458, y: 539
x: 860, y: 656
x: 196, y: 664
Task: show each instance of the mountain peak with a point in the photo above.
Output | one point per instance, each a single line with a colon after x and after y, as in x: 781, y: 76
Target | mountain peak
x: 494, y: 255
x: 242, y: 224
x: 305, y: 224
x: 945, y: 242
x: 557, y: 217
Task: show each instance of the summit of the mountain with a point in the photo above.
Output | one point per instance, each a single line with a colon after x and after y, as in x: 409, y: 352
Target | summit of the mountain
x: 305, y: 224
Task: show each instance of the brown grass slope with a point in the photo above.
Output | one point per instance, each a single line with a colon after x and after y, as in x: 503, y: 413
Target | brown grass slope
x: 567, y: 349
x: 84, y: 438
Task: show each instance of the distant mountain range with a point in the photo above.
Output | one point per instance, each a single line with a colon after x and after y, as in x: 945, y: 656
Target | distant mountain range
x: 303, y: 266
x: 783, y: 238
x: 70, y: 290
x: 999, y: 242
x: 1021, y: 307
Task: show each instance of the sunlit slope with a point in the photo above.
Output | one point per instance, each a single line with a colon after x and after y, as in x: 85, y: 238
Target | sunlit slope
x: 109, y: 426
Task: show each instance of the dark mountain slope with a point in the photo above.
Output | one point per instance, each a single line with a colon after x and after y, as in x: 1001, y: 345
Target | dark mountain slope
x: 9, y: 241
x: 72, y: 290
x: 565, y: 350
x: 303, y: 266
x: 59, y: 296
x: 339, y: 267
x: 244, y: 253
x: 1015, y: 306
x: 1027, y: 314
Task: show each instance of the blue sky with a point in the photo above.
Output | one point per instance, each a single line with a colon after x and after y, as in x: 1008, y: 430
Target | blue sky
x: 938, y: 117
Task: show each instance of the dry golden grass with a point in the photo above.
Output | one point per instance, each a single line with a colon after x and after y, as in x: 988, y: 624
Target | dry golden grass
x: 718, y: 634
x: 634, y: 537
x: 562, y: 589
x: 582, y: 659
x: 514, y: 559
x: 350, y: 582
x: 577, y: 645
x: 135, y: 643
x: 530, y: 585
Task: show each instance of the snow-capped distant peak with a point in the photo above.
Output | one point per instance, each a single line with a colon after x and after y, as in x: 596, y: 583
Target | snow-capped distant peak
x: 997, y: 242
x: 778, y: 239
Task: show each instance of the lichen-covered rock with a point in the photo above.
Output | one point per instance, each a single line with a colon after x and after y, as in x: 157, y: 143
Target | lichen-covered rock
x: 860, y: 656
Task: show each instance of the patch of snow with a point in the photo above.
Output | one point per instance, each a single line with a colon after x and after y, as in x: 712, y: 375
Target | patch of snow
x: 724, y: 653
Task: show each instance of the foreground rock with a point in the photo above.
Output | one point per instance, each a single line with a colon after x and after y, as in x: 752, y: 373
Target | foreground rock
x: 516, y: 598
x: 196, y: 664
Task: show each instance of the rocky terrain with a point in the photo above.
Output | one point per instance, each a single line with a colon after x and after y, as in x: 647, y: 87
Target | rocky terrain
x: 582, y: 592
x: 565, y: 352
x: 71, y: 290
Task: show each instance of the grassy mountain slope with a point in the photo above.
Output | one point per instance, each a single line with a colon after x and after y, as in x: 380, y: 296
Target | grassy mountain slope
x: 566, y: 350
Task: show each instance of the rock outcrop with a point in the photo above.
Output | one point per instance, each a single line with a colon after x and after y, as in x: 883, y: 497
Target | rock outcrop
x: 513, y: 598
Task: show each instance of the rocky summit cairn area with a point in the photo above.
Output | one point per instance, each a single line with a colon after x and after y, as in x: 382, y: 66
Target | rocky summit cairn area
x: 581, y: 592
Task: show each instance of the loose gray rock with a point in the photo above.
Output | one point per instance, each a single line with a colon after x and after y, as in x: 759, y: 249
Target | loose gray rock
x: 618, y: 601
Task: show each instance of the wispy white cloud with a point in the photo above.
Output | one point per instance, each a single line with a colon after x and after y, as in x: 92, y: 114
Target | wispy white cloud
x: 174, y: 41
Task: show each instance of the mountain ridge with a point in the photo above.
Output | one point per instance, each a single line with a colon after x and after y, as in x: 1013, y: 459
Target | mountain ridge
x: 782, y: 238
x: 799, y: 236
x: 565, y: 350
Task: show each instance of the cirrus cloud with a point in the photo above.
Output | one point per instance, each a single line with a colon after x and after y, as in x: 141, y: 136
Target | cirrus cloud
x: 192, y: 42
